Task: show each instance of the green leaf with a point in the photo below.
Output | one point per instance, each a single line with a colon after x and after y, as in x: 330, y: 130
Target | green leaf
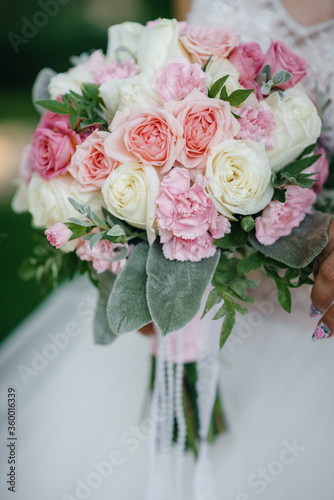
x: 74, y: 121
x: 90, y: 90
x: 221, y: 312
x: 280, y: 195
x: 228, y: 324
x: 213, y: 299
x: 303, y: 245
x: 266, y: 70
x: 299, y: 165
x: 281, y: 77
x: 284, y: 295
x: 175, y: 289
x: 207, y: 63
x: 127, y: 306
x: 116, y: 231
x: 235, y: 239
x: 102, y: 331
x: 307, y: 151
x: 94, y: 239
x: 77, y: 206
x: 80, y: 222
x: 250, y: 263
x: 239, y: 96
x: 217, y: 86
x: 224, y: 94
x: 55, y: 106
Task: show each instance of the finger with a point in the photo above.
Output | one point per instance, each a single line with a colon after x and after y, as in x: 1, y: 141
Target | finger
x: 147, y: 330
x: 329, y: 248
x: 325, y: 327
x: 322, y: 293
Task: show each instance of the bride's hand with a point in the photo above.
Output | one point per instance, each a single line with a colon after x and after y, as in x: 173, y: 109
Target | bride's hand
x: 322, y: 294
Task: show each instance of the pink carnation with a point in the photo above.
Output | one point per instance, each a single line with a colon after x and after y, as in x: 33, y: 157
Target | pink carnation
x: 278, y: 219
x: 99, y: 255
x: 248, y: 58
x: 151, y: 136
x: 322, y: 167
x: 257, y: 124
x: 176, y: 80
x: 194, y: 250
x: 205, y: 122
x: 90, y: 165
x: 117, y: 71
x: 58, y: 235
x: 280, y: 56
x: 205, y: 41
x: 186, y: 213
x: 53, y: 145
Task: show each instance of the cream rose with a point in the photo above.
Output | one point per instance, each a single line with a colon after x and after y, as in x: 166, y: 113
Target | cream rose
x: 48, y: 200
x: 159, y: 43
x: 297, y: 126
x: 131, y: 93
x: 239, y: 177
x: 123, y: 41
x: 130, y: 193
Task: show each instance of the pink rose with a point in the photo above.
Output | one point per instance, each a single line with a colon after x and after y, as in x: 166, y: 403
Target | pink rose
x: 204, y: 41
x: 280, y: 56
x: 248, y: 58
x: 176, y: 80
x: 99, y: 255
x: 58, y: 235
x: 322, y: 167
x: 257, y: 124
x: 116, y: 71
x: 205, y: 122
x: 90, y: 165
x: 185, y: 213
x: 278, y: 219
x: 152, y: 136
x: 194, y: 250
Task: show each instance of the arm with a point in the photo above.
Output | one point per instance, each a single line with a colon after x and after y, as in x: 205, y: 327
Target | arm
x: 181, y: 8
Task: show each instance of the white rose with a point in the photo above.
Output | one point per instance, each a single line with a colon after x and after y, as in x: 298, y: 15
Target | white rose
x: 219, y: 68
x: 131, y: 93
x: 48, y: 200
x: 130, y: 193
x: 123, y: 41
x: 62, y: 83
x: 297, y: 126
x: 239, y: 177
x: 159, y: 43
x: 20, y: 200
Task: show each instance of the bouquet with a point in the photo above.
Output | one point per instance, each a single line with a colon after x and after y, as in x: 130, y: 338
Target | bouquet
x: 169, y: 169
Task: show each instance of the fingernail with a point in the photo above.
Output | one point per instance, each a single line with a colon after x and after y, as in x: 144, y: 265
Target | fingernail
x: 314, y: 311
x: 321, y: 332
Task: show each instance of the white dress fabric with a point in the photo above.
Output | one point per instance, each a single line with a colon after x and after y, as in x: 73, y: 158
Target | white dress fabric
x: 83, y: 411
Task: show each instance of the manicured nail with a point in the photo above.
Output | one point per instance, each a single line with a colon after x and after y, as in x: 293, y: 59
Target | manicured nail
x: 321, y: 332
x: 314, y: 311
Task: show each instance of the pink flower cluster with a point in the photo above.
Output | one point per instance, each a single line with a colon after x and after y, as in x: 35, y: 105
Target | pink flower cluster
x: 187, y: 219
x: 279, y: 219
x: 257, y: 124
x: 101, y: 254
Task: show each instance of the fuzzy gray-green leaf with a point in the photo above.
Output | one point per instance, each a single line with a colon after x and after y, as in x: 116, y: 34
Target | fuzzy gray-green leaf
x: 127, y: 305
x: 102, y: 331
x: 175, y: 289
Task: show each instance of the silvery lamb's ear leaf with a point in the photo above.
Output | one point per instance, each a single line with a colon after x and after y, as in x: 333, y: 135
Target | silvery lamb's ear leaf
x: 303, y: 245
x: 127, y: 306
x: 175, y: 289
x: 102, y: 331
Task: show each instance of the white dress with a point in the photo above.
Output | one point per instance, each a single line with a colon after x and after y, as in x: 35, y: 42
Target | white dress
x: 82, y: 409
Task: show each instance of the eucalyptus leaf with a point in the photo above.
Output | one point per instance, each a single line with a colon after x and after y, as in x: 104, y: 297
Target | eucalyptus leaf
x: 94, y: 239
x: 116, y: 231
x: 127, y: 306
x: 175, y: 289
x: 304, y: 243
x: 102, y: 331
x: 80, y: 222
x: 77, y: 206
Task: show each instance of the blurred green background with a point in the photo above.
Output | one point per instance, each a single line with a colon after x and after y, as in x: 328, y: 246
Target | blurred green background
x: 78, y: 26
